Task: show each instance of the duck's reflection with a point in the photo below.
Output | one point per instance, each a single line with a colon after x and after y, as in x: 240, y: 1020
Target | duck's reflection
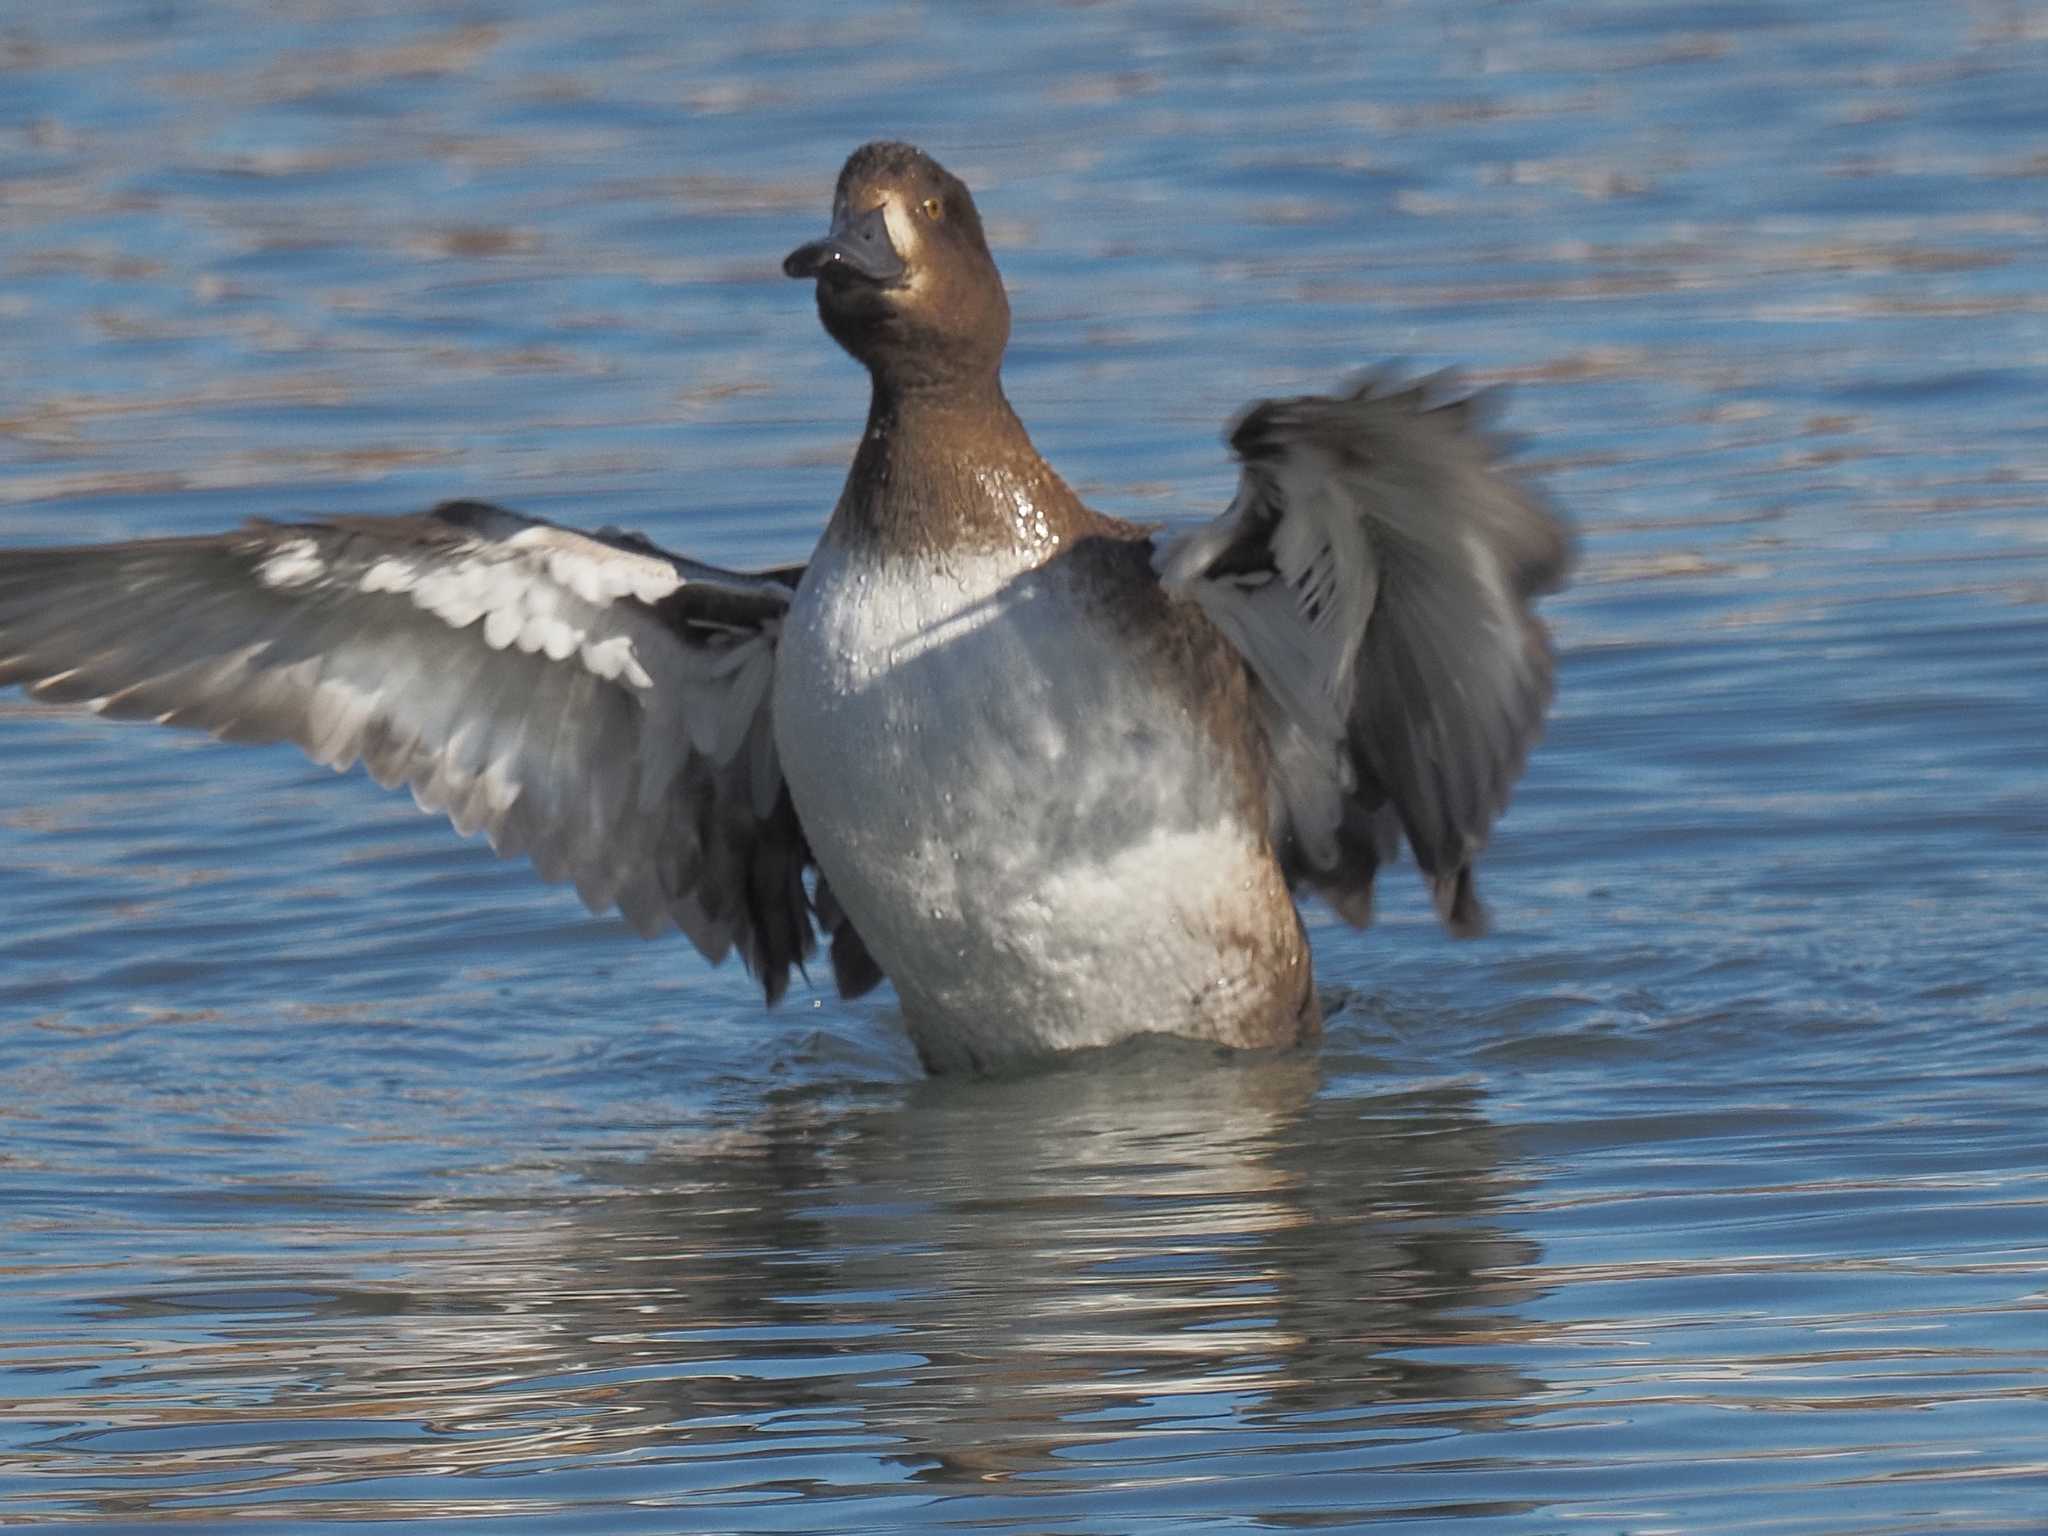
x: 970, y: 1281
x: 991, y: 1272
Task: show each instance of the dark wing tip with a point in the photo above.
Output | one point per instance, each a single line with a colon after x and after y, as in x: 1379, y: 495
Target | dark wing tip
x: 854, y: 970
x: 1458, y: 905
x: 1269, y: 428
x: 1353, y: 903
x: 465, y: 512
x: 1259, y: 431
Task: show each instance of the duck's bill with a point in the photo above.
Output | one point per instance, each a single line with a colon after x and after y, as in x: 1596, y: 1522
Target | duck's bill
x: 857, y: 247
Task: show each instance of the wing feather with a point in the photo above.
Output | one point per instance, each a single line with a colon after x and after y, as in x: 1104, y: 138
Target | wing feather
x: 1377, y: 572
x: 585, y: 700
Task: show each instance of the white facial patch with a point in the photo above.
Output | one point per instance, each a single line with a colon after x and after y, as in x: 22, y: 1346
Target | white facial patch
x: 903, y: 231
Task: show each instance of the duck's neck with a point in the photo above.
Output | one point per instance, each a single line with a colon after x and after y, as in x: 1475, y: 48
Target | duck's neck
x: 943, y: 470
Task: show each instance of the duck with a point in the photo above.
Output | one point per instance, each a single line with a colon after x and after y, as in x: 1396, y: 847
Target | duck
x: 1059, y: 778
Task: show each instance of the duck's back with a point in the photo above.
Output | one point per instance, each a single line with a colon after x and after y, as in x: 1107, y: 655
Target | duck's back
x: 1013, y: 776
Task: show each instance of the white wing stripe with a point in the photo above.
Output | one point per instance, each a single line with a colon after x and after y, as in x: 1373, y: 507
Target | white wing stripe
x: 296, y: 564
x: 588, y: 701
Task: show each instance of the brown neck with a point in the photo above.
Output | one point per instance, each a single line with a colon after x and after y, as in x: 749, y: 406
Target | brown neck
x: 951, y: 468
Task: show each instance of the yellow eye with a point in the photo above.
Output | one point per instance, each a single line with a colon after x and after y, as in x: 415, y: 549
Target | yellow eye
x: 934, y: 209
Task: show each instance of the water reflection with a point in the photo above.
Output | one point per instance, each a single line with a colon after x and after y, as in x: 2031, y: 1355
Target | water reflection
x: 971, y: 1281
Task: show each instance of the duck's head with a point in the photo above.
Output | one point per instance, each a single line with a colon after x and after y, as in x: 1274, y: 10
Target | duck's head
x: 905, y: 279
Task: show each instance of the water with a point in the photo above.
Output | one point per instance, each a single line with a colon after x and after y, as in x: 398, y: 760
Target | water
x: 349, y: 1178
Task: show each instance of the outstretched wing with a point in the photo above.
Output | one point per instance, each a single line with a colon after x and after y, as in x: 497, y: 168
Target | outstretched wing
x: 586, y: 700
x: 1377, y: 572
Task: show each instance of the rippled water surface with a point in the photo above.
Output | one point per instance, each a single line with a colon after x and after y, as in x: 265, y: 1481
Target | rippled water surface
x: 349, y: 1178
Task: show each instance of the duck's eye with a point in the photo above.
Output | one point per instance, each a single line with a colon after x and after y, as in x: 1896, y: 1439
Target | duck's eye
x: 934, y: 209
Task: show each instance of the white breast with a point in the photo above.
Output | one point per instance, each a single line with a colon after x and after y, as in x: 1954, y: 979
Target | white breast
x: 1035, y: 840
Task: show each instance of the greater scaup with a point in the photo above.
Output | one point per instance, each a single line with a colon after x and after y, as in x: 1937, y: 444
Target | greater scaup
x: 1058, y: 779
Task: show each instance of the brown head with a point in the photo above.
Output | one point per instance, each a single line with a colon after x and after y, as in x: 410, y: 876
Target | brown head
x: 905, y: 279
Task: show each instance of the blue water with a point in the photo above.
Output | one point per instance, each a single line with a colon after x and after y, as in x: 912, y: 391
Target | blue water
x: 352, y: 1179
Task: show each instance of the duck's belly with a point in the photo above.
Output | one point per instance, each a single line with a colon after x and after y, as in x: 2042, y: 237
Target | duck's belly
x: 1034, y: 840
